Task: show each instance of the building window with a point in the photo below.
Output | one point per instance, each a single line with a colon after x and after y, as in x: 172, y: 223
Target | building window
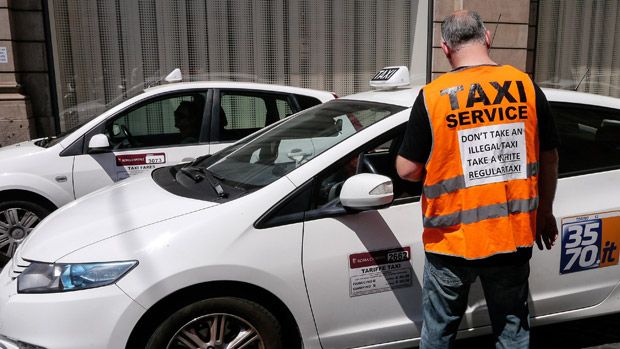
x: 577, y: 46
x: 110, y: 50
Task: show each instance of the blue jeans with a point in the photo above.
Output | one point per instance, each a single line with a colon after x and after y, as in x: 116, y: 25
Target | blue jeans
x: 446, y: 287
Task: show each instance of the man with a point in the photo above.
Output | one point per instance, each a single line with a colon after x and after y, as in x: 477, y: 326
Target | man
x: 187, y: 118
x: 482, y: 140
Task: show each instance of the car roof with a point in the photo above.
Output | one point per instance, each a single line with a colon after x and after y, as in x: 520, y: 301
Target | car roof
x: 567, y: 96
x: 404, y: 96
x: 323, y: 96
x: 407, y: 95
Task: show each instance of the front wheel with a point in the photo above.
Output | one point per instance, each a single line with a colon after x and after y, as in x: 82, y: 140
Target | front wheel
x: 17, y: 219
x: 219, y: 323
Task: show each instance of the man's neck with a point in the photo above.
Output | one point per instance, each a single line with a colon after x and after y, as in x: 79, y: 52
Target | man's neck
x: 471, y: 56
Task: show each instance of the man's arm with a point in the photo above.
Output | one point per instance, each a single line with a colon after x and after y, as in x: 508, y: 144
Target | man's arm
x: 409, y: 170
x: 416, y: 145
x: 546, y: 226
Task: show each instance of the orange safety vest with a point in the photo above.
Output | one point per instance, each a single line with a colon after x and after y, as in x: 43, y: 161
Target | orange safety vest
x: 480, y: 191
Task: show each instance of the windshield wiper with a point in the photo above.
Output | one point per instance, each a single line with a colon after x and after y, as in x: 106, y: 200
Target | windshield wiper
x: 199, y: 173
x: 43, y: 142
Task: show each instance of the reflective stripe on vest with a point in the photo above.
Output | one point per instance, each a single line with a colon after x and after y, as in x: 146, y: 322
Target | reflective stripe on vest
x: 456, y: 183
x: 480, y: 192
x: 481, y: 213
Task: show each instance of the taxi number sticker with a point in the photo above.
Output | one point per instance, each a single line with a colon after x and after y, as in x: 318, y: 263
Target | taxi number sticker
x: 155, y: 158
x: 140, y: 159
x: 590, y: 242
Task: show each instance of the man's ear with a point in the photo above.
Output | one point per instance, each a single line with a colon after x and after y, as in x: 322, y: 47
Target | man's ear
x: 445, y: 49
x: 487, y: 38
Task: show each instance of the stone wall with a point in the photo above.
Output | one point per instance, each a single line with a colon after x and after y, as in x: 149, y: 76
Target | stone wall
x: 512, y: 24
x: 25, y: 103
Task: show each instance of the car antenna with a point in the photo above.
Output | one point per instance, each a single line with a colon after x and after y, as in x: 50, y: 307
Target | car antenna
x: 495, y: 31
x: 582, y: 78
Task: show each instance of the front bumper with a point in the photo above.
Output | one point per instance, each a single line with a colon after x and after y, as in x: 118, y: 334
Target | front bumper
x: 95, y: 318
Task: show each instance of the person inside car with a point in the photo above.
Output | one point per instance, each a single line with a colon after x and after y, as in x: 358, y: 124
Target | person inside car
x: 187, y: 118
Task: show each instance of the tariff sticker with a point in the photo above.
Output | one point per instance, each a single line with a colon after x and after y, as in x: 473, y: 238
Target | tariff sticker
x: 379, y: 271
x: 134, y: 164
x: 590, y: 242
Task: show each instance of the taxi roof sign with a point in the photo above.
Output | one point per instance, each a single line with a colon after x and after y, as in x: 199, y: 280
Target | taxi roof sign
x: 174, y: 76
x: 391, y: 77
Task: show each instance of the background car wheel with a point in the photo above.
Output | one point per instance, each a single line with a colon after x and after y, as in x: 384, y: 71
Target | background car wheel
x: 17, y: 219
x: 216, y: 323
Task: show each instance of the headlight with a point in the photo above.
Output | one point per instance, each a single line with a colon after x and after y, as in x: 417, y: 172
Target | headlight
x: 61, y: 277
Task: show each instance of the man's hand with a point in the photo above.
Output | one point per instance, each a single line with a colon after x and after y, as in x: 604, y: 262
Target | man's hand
x: 546, y: 230
x: 546, y: 227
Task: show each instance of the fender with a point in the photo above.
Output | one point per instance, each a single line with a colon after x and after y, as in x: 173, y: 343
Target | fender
x: 38, y: 185
x: 287, y: 291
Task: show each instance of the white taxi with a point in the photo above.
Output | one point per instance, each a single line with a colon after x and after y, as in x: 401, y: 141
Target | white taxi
x: 299, y: 235
x: 163, y: 126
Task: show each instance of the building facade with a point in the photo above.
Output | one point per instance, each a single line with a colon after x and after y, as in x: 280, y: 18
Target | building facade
x: 63, y: 61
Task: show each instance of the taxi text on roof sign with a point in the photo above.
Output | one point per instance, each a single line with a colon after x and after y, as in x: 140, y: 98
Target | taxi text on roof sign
x: 391, y: 77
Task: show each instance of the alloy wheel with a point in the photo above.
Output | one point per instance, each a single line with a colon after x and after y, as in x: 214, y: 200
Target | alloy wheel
x: 217, y: 331
x: 15, y: 225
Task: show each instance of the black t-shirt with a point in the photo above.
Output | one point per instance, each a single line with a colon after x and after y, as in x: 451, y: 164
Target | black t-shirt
x: 418, y: 140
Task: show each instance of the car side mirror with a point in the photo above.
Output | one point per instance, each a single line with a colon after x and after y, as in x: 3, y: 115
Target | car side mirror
x: 99, y: 143
x: 367, y: 191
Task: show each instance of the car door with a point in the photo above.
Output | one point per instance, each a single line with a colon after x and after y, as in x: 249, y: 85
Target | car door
x: 364, y: 275
x: 239, y: 113
x: 582, y: 269
x: 163, y: 130
x: 364, y: 270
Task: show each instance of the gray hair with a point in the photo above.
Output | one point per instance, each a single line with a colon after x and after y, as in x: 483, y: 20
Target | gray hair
x: 462, y: 27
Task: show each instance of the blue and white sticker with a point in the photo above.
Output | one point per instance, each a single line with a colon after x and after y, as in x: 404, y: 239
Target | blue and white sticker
x: 590, y: 242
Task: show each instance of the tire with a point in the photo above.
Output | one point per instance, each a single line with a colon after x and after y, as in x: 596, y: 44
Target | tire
x: 17, y: 219
x: 193, y: 326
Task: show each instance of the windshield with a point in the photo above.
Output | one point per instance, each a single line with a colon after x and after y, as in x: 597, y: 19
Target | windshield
x: 52, y: 141
x: 85, y: 112
x: 268, y: 155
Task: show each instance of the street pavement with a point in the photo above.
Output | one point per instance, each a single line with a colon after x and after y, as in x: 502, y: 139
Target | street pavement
x: 601, y: 332
x: 594, y: 333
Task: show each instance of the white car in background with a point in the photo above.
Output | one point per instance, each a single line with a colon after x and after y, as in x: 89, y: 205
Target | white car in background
x: 138, y: 135
x: 299, y: 235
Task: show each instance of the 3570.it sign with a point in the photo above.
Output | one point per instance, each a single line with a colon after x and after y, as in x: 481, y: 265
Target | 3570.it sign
x: 590, y: 242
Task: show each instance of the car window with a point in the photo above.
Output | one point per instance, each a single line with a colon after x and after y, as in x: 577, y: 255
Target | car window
x: 589, y: 138
x: 306, y: 102
x: 244, y: 112
x: 320, y: 197
x: 377, y: 157
x: 273, y: 153
x: 173, y: 120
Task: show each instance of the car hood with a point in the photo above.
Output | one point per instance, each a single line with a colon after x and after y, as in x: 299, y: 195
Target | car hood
x: 19, y: 150
x: 128, y: 205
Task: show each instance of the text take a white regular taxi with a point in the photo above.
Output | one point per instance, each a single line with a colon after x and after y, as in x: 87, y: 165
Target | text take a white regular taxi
x: 301, y: 234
